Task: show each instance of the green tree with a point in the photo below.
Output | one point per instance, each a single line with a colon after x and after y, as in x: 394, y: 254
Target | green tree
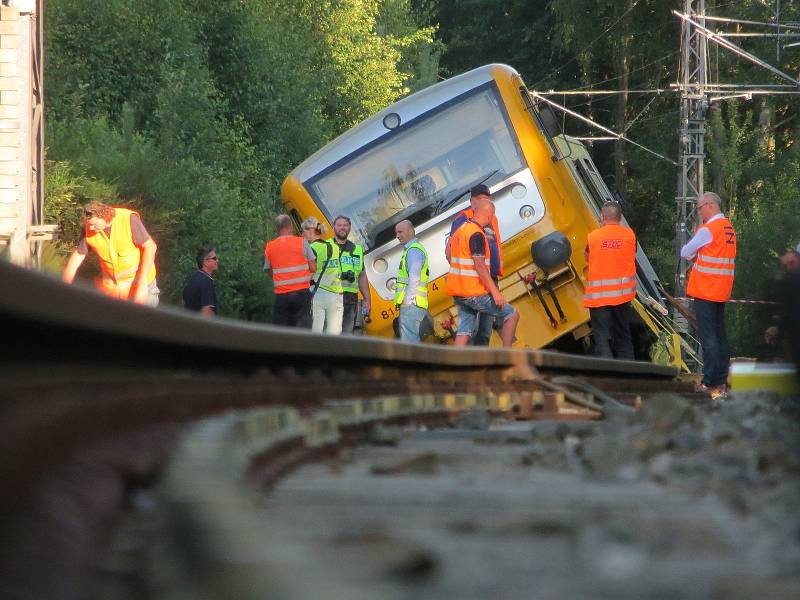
x: 193, y: 113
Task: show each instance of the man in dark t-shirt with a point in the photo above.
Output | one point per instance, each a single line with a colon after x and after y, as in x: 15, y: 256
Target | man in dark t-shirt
x: 199, y: 293
x: 787, y: 292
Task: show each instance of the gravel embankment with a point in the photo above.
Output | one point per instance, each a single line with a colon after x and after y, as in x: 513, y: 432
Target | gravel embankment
x: 681, y: 500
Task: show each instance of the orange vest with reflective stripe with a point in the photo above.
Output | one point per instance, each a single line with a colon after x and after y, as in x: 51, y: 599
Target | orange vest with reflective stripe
x: 470, y: 214
x: 290, y: 272
x: 612, y: 266
x: 119, y: 255
x: 715, y: 264
x: 463, y: 280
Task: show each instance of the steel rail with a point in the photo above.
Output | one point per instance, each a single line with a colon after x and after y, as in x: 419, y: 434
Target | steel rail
x: 95, y: 392
x: 30, y: 300
x: 79, y: 366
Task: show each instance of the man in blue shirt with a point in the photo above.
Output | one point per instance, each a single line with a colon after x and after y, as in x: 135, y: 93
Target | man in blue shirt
x: 411, y: 294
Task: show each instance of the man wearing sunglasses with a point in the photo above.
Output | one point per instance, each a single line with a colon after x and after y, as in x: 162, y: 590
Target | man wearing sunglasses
x: 713, y: 249
x: 199, y: 293
x: 126, y: 252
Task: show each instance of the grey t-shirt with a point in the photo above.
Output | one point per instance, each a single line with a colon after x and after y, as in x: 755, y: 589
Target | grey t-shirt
x: 308, y: 252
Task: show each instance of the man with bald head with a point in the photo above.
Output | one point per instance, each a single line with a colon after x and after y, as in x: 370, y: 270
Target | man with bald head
x: 713, y: 248
x: 611, y: 284
x: 411, y: 291
x: 470, y: 283
x: 290, y: 261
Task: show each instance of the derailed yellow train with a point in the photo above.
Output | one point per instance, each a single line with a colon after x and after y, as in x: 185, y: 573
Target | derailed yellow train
x: 418, y: 158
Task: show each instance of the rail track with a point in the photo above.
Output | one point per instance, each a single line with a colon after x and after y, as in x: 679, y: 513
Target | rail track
x: 98, y: 397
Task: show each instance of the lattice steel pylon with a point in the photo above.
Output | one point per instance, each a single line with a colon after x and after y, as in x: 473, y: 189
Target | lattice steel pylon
x: 691, y: 140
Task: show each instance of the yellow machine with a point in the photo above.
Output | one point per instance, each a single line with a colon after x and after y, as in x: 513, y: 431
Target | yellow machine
x: 418, y: 158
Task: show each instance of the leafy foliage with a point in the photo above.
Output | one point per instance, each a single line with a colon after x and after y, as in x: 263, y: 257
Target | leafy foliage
x: 193, y: 112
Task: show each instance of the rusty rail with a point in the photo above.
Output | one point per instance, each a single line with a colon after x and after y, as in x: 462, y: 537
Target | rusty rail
x: 94, y: 393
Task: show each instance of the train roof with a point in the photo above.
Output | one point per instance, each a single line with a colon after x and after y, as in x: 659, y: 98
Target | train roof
x: 407, y: 108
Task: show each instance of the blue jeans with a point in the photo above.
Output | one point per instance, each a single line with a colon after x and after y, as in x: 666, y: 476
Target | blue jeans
x: 714, y: 340
x: 470, y: 307
x: 486, y: 323
x: 410, y: 319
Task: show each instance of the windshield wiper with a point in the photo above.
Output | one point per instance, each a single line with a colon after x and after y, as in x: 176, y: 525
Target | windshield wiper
x: 438, y: 206
x: 447, y: 203
x: 388, y: 224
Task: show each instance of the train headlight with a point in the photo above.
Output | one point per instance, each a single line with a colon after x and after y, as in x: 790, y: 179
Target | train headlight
x: 391, y: 121
x: 380, y: 265
x: 527, y: 212
x: 391, y: 284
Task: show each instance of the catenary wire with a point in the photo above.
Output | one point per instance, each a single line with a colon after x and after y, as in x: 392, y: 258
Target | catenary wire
x: 589, y: 45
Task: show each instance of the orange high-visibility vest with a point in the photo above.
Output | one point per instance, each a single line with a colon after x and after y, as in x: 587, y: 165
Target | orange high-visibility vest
x: 119, y: 256
x: 470, y: 214
x: 290, y: 272
x: 463, y: 280
x: 612, y: 266
x: 715, y: 264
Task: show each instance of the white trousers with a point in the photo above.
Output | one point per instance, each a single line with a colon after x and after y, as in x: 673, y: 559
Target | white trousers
x: 327, y: 311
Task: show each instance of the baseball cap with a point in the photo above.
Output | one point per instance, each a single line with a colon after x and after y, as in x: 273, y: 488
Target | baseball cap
x: 480, y: 190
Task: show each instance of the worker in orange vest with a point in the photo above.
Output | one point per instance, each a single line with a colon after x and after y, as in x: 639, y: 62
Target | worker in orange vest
x: 126, y: 252
x: 480, y: 193
x: 470, y: 283
x: 291, y: 261
x: 713, y: 248
x: 611, y: 284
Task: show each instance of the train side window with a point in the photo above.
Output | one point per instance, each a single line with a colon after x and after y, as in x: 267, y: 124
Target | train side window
x: 589, y: 183
x: 590, y: 166
x: 533, y: 110
x: 295, y: 216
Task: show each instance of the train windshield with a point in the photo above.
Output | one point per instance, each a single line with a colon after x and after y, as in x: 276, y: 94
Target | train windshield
x: 423, y: 169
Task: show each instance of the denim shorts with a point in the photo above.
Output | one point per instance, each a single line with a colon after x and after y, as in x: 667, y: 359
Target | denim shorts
x: 469, y: 307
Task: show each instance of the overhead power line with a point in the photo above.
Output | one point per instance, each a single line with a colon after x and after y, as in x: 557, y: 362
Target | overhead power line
x: 758, y: 35
x: 713, y: 37
x: 631, y: 72
x: 604, y: 92
x: 617, y: 136
x: 589, y: 45
x: 744, y: 22
x: 676, y: 88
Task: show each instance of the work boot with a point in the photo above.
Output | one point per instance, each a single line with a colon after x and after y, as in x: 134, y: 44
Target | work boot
x: 719, y: 393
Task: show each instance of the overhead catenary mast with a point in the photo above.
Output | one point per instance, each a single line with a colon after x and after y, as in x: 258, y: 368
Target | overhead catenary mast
x: 694, y: 88
x: 691, y: 134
